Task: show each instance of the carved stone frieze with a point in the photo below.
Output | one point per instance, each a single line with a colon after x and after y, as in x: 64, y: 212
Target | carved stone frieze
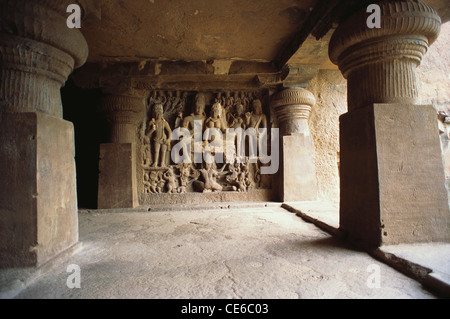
x: 171, y: 112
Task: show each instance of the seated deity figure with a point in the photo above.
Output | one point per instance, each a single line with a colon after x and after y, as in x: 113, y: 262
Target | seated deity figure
x: 160, y: 129
x: 210, y: 175
x: 257, y: 119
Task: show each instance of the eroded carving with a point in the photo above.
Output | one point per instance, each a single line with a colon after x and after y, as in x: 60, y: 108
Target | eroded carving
x: 220, y: 111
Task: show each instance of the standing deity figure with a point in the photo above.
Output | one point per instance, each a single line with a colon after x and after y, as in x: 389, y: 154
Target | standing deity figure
x: 162, y: 134
x: 198, y: 118
x: 255, y: 120
x: 198, y: 113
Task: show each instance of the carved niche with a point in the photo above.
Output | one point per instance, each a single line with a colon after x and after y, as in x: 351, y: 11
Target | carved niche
x: 168, y: 111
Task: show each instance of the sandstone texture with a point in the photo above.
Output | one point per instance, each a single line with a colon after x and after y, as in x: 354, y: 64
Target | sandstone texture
x: 330, y: 90
x: 255, y: 252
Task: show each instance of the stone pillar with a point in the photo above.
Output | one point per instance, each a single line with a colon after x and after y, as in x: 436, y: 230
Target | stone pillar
x: 38, y: 200
x: 297, y: 175
x: 117, y: 179
x: 392, y: 179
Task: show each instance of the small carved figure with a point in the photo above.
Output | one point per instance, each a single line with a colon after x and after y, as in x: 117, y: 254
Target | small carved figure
x: 161, y: 182
x: 210, y: 174
x: 153, y: 182
x: 234, y: 170
x: 162, y: 136
x: 170, y: 177
x: 186, y: 173
x: 179, y: 119
x: 147, y: 155
x: 147, y: 184
x: 238, y: 117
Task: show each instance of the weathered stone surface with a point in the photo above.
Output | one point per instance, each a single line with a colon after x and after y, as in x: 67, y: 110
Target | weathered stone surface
x: 380, y: 63
x: 389, y: 193
x: 124, y: 113
x: 38, y: 52
x: 330, y: 89
x: 117, y: 179
x: 39, y: 217
x: 254, y: 252
x: 296, y: 180
x: 298, y: 170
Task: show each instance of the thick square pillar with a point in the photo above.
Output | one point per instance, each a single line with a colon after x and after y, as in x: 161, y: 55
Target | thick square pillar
x: 38, y: 201
x: 392, y: 176
x: 296, y: 179
x: 117, y: 186
x: 298, y: 169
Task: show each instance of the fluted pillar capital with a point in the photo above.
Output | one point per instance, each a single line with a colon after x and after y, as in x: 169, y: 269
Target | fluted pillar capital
x: 292, y: 107
x: 37, y: 54
x: 380, y: 63
x: 124, y: 113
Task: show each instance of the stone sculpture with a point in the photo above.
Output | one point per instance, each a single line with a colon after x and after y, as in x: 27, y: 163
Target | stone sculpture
x: 222, y: 111
x: 162, y: 132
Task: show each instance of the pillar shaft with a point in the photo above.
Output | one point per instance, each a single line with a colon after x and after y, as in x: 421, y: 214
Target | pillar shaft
x: 388, y: 194
x: 38, y: 203
x: 117, y: 179
x: 297, y: 175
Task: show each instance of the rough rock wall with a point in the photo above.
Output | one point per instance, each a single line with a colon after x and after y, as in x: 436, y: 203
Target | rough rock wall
x: 330, y: 90
x: 434, y: 77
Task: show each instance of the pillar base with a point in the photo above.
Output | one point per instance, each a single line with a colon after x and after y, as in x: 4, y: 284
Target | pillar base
x: 392, y: 177
x: 299, y: 182
x: 117, y: 180
x: 38, y: 207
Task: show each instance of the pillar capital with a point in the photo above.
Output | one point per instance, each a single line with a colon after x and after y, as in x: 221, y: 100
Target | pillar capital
x: 380, y: 63
x: 297, y: 178
x: 38, y: 52
x: 124, y: 112
x: 292, y: 106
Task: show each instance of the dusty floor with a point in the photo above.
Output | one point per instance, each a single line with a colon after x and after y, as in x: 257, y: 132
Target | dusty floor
x: 259, y: 252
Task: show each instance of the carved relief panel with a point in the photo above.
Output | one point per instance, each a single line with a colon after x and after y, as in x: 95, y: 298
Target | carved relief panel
x: 184, y: 143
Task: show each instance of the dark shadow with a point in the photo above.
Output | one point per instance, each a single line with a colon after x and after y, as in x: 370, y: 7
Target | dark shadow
x: 80, y: 107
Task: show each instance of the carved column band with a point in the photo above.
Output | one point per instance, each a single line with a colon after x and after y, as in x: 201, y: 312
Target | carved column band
x: 37, y: 54
x: 380, y: 63
x: 292, y: 107
x: 123, y: 113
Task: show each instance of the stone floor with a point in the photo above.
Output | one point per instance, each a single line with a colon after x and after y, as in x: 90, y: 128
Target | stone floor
x: 250, y: 252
